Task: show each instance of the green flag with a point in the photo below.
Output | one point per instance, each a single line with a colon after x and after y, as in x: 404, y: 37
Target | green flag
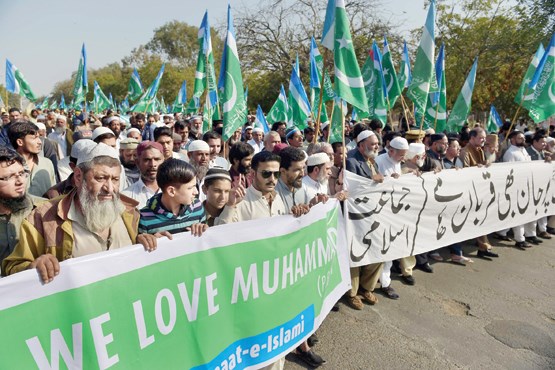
x: 278, y: 112
x: 543, y: 103
x: 462, y: 105
x: 337, y: 123
x: 135, y: 87
x: 231, y: 82
x: 101, y: 101
x: 80, y: 86
x: 147, y: 100
x: 524, y: 96
x: 390, y: 75
x: 348, y: 79
x: 16, y: 83
x: 435, y: 115
x: 424, y: 63
x: 54, y: 105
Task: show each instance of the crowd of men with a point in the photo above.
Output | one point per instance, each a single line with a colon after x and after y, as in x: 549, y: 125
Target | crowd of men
x: 76, y: 184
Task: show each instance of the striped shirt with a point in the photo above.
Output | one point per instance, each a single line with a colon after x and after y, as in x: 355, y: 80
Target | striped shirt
x: 156, y: 218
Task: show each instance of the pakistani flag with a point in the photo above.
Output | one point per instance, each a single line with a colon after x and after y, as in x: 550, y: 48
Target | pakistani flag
x: 299, y: 106
x: 436, y: 109
x: 424, y: 63
x: 405, y: 75
x: 180, y: 99
x: 494, y: 121
x: 135, y: 87
x: 348, y: 80
x: 316, y: 68
x: 231, y: 83
x: 278, y: 112
x: 337, y: 121
x: 101, y: 101
x: 390, y: 75
x: 16, y: 83
x: 44, y: 104
x: 462, y: 105
x: 80, y: 86
x: 54, y: 105
x: 543, y: 103
x: 147, y: 100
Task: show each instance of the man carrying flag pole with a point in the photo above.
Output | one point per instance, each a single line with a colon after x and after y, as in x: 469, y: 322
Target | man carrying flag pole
x: 80, y: 86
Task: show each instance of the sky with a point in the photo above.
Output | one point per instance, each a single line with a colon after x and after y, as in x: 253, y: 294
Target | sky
x: 43, y: 38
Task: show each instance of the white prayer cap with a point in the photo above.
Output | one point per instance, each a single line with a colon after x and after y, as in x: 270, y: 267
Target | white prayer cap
x: 430, y: 131
x: 40, y: 125
x: 399, y: 143
x: 416, y: 149
x: 62, y: 117
x: 112, y: 119
x: 247, y: 128
x: 324, y: 125
x: 549, y: 140
x: 364, y: 135
x: 257, y: 129
x: 198, y: 145
x: 317, y: 159
x: 133, y: 129
x: 80, y: 147
x: 99, y: 150
x: 41, y: 116
x: 101, y: 131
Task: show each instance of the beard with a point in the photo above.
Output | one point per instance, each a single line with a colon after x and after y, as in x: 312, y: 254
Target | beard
x: 243, y: 169
x: 99, y: 215
x: 490, y: 157
x: 419, y: 163
x: 14, y: 204
x: 520, y: 144
x: 371, y: 154
x: 200, y: 170
x: 129, y: 165
x: 59, y: 130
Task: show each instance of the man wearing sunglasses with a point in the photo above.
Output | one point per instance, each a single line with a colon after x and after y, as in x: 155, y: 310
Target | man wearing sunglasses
x: 15, y: 204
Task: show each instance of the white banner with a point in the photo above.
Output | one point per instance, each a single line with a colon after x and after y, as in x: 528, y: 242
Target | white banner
x: 412, y: 215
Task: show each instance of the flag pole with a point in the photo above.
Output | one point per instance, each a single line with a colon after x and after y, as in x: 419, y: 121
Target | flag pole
x: 516, y: 114
x: 389, y: 112
x: 435, y: 118
x: 320, y: 102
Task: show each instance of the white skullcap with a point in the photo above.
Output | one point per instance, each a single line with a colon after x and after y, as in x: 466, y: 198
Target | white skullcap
x: 62, y: 117
x: 80, y: 147
x: 317, y: 159
x: 416, y: 149
x: 101, y: 131
x: 41, y: 116
x: 198, y: 145
x: 247, y: 128
x: 133, y: 129
x: 430, y: 131
x: 257, y: 129
x: 364, y: 135
x: 399, y: 143
x: 40, y: 125
x: 324, y: 125
x: 112, y: 119
x: 549, y: 139
x: 99, y: 150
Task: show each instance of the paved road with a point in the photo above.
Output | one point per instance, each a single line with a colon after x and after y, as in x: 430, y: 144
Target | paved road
x: 497, y: 314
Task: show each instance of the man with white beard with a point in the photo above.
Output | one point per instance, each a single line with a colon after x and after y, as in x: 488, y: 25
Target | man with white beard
x: 63, y: 136
x: 92, y: 218
x: 364, y: 278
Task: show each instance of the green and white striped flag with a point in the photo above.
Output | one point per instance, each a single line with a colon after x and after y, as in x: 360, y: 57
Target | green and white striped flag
x: 390, y: 75
x: 231, y: 83
x: 436, y: 109
x: 336, y: 36
x: 460, y: 110
x: 16, y: 83
x: 424, y: 63
x: 147, y: 101
x: 278, y: 112
x: 543, y: 105
x: 299, y: 106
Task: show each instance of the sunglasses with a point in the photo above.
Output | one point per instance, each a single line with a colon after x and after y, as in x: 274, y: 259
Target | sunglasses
x: 268, y: 174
